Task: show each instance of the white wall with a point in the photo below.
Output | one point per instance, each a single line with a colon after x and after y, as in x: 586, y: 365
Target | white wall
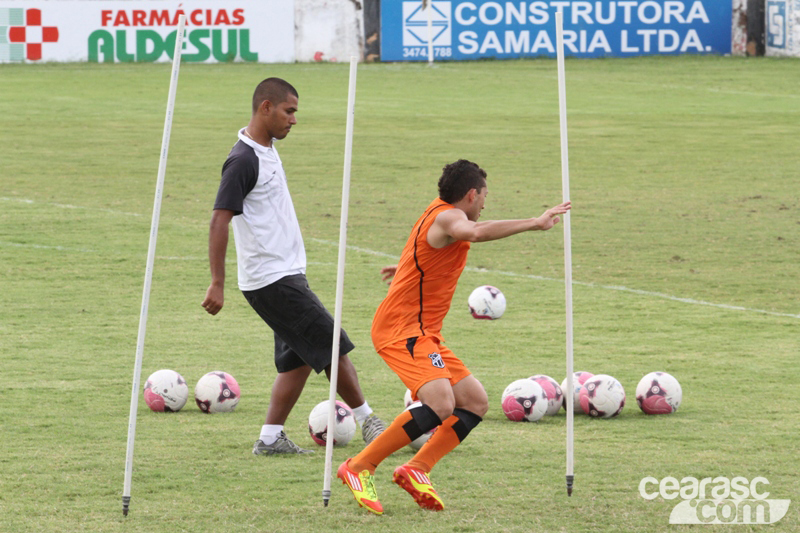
x: 739, y: 34
x: 328, y: 30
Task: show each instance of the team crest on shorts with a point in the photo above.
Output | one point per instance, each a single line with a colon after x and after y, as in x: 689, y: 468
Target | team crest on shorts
x: 436, y: 360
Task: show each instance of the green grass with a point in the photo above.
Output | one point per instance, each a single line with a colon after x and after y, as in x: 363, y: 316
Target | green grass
x: 684, y: 181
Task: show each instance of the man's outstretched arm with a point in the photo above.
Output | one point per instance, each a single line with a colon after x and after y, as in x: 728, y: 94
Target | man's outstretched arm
x: 455, y: 225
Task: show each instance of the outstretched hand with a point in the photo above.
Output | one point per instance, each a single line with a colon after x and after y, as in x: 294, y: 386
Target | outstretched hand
x: 387, y: 273
x: 550, y: 218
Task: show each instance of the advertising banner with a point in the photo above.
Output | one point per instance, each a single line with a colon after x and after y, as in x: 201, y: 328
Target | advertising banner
x: 479, y: 29
x: 138, y: 30
x: 783, y: 28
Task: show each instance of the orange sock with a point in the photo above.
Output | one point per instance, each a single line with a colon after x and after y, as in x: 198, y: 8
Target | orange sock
x: 439, y: 445
x: 449, y: 435
x: 392, y: 439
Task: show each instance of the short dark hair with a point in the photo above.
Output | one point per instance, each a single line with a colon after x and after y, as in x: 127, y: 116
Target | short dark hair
x: 275, y: 90
x: 459, y: 178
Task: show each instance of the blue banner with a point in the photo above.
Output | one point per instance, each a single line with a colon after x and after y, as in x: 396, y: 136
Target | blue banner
x: 479, y: 29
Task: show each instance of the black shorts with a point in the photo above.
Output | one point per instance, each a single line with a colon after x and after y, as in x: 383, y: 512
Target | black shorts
x: 303, y: 327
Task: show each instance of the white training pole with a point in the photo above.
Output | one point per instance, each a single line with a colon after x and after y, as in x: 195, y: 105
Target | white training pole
x: 430, y: 31
x: 148, y: 273
x: 337, y: 317
x: 562, y: 112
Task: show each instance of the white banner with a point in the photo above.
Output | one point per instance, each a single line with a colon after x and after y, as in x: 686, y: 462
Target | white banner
x: 123, y: 31
x: 782, y: 23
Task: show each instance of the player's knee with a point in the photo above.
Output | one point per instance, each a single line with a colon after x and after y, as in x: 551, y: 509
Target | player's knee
x: 443, y: 407
x: 480, y: 403
x: 345, y: 365
x: 477, y: 401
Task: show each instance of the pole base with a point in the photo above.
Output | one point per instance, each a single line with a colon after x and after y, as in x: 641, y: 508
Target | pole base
x: 126, y: 500
x: 570, y: 479
x: 326, y: 497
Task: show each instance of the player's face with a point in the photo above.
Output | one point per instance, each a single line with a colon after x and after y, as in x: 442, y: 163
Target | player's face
x: 477, y: 204
x: 281, y: 117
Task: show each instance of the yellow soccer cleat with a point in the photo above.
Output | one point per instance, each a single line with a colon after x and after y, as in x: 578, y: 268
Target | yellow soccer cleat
x: 362, y: 486
x: 418, y: 484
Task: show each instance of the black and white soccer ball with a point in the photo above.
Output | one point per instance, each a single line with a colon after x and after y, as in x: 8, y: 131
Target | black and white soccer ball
x: 602, y: 396
x: 487, y: 302
x: 553, y: 391
x: 407, y: 398
x: 217, y: 392
x: 344, y: 426
x: 658, y: 393
x: 165, y: 390
x: 578, y: 379
x: 524, y: 400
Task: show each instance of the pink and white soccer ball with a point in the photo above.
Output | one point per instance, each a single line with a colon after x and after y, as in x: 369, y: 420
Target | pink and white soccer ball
x: 217, y: 392
x: 578, y: 379
x: 407, y: 399
x: 658, y: 393
x: 487, y: 302
x: 344, y: 427
x: 602, y: 396
x: 524, y: 400
x: 417, y: 443
x: 553, y: 391
x: 165, y: 390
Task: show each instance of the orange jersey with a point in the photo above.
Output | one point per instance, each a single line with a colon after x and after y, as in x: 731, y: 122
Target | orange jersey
x: 423, y: 286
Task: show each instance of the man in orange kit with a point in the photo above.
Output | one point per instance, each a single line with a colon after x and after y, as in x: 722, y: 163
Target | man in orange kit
x: 406, y: 332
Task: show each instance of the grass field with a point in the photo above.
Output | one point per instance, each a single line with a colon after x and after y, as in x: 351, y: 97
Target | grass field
x: 686, y: 241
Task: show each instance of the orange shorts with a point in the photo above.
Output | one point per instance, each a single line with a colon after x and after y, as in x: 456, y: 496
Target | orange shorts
x: 418, y: 360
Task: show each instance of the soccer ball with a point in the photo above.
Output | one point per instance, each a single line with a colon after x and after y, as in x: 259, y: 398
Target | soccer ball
x: 487, y: 302
x: 216, y: 392
x: 553, y: 391
x: 407, y: 399
x: 417, y: 443
x: 165, y: 390
x: 578, y: 379
x: 658, y: 393
x: 344, y: 428
x: 602, y: 396
x: 524, y: 400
